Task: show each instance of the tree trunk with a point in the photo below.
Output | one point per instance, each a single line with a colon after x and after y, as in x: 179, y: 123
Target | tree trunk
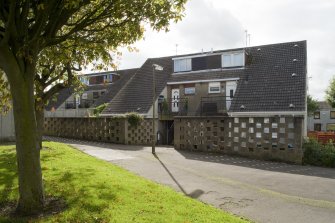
x: 20, y: 74
x: 31, y: 198
x: 40, y: 123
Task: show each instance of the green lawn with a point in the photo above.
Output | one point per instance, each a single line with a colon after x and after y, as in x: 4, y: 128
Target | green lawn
x: 97, y: 191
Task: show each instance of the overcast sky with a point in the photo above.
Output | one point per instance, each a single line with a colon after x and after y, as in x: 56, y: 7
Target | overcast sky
x: 221, y: 24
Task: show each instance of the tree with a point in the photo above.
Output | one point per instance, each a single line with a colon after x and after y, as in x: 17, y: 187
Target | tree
x: 330, y: 93
x: 30, y: 29
x: 312, y: 105
x: 5, y: 98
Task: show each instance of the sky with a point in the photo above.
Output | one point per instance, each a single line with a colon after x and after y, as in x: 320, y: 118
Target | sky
x: 221, y: 24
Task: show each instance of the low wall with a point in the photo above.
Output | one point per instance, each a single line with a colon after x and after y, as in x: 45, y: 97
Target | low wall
x: 274, y: 138
x: 114, y: 130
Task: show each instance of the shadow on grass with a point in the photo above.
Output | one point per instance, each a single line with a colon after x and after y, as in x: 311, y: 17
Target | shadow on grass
x: 194, y: 194
x: 82, y: 192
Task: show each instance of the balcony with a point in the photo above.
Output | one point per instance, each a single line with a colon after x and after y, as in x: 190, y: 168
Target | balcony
x: 84, y: 103
x: 202, y: 106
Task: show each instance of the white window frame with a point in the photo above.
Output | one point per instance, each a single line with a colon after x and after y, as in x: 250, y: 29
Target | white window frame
x: 232, y: 59
x: 214, y: 84
x: 182, y: 65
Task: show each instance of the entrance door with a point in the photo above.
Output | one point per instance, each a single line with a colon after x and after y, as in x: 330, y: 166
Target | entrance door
x: 175, y: 100
x: 317, y: 127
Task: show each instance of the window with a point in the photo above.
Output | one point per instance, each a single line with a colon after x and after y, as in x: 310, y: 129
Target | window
x: 330, y: 127
x: 231, y: 93
x: 95, y: 94
x: 84, y: 80
x: 317, y: 115
x: 190, y: 90
x: 181, y: 65
x: 332, y: 114
x: 227, y: 60
x: 214, y: 87
x: 233, y: 59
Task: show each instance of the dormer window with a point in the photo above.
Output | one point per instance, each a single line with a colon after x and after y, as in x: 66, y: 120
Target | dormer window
x: 181, y: 65
x: 233, y: 59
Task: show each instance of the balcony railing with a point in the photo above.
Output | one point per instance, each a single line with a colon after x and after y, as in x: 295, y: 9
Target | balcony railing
x: 205, y: 106
x: 84, y: 103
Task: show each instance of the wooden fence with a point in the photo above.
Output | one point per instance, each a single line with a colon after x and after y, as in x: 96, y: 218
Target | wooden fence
x: 322, y: 137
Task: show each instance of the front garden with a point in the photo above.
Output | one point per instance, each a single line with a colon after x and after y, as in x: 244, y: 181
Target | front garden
x: 85, y: 189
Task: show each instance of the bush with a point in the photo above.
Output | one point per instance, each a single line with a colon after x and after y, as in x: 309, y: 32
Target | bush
x: 97, y: 110
x: 134, y: 119
x: 319, y: 155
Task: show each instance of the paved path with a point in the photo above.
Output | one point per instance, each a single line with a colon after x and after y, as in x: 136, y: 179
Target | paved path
x: 259, y: 190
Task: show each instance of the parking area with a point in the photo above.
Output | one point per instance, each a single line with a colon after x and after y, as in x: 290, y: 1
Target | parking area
x: 259, y: 190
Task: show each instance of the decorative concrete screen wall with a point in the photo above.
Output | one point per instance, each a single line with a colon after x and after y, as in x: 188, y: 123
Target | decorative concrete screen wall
x: 114, y: 130
x: 274, y: 138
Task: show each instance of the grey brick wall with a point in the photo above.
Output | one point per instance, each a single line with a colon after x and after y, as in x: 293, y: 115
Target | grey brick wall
x: 274, y: 138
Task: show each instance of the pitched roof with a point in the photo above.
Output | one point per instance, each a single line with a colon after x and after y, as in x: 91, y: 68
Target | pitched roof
x: 323, y: 105
x: 267, y: 83
x: 112, y: 89
x: 60, y: 98
x: 136, y: 95
x: 115, y: 87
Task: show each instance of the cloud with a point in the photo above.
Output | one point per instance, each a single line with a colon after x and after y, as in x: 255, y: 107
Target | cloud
x: 203, y: 27
x: 220, y: 25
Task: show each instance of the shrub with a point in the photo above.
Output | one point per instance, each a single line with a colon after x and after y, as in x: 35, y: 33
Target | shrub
x: 134, y: 119
x: 319, y: 155
x: 97, y: 110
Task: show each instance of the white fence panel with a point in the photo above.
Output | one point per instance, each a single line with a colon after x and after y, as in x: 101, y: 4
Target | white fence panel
x: 7, y: 128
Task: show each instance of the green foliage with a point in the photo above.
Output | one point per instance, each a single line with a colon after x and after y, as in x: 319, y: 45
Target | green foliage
x: 330, y: 93
x: 134, y: 119
x: 5, y: 96
x: 98, y: 191
x: 165, y: 106
x: 312, y: 105
x: 97, y: 110
x: 43, y: 42
x: 186, y: 104
x: 319, y: 155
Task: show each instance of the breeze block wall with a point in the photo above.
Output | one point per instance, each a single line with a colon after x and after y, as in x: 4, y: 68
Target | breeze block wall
x: 113, y: 130
x: 270, y: 138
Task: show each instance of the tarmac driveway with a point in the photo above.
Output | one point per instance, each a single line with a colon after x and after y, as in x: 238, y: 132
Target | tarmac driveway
x: 259, y: 190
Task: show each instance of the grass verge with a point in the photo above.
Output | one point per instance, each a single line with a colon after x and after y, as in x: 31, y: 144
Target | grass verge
x: 97, y: 191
